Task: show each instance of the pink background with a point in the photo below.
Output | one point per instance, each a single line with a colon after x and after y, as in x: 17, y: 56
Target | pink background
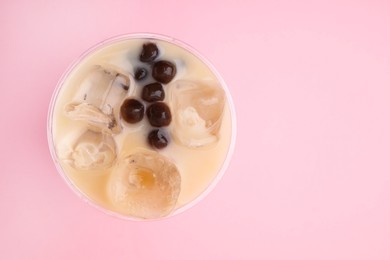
x: 310, y: 176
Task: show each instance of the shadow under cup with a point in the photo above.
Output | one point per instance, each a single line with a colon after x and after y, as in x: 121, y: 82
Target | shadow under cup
x: 116, y: 169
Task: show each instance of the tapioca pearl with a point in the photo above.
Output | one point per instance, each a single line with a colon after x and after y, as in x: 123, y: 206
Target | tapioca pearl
x: 149, y: 52
x: 158, y: 139
x: 132, y: 111
x: 140, y: 73
x: 159, y: 114
x: 164, y: 71
x: 153, y: 92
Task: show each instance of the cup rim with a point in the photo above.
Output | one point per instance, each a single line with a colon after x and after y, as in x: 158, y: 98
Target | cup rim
x: 115, y: 39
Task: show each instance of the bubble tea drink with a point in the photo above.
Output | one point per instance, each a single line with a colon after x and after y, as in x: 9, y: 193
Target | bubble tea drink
x: 141, y: 126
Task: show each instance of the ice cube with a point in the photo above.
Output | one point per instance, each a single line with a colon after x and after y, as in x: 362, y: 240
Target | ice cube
x: 96, y: 118
x: 198, y: 110
x: 92, y: 151
x: 144, y: 184
x: 100, y: 96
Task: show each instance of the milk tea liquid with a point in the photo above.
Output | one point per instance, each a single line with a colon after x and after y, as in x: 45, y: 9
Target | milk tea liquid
x: 198, y: 166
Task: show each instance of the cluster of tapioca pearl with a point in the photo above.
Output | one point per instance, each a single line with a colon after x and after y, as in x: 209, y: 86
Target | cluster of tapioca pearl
x: 158, y: 113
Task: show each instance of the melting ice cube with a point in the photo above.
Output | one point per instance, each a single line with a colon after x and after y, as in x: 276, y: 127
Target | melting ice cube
x: 100, y: 96
x: 198, y: 110
x: 92, y: 151
x: 97, y: 119
x: 144, y: 184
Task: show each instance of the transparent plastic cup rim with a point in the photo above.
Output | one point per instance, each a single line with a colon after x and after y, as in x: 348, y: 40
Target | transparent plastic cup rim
x: 150, y: 36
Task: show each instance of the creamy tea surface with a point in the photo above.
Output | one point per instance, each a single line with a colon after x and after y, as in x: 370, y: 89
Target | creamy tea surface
x: 141, y: 127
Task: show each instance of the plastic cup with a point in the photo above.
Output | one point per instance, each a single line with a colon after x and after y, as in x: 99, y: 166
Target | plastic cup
x: 100, y: 46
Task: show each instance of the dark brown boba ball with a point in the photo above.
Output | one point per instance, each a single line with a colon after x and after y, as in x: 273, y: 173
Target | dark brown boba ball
x: 158, y: 139
x: 149, y: 52
x: 164, y: 71
x: 159, y: 114
x: 140, y: 74
x: 132, y: 111
x: 153, y: 92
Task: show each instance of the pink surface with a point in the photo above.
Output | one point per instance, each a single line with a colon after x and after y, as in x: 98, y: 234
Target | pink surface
x: 310, y: 176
